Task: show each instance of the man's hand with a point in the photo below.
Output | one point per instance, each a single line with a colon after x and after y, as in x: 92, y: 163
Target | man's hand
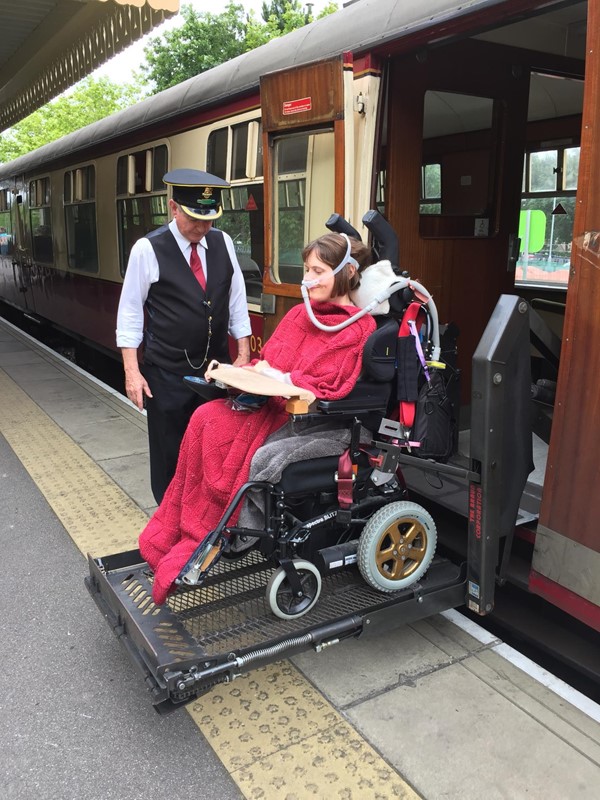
x: 136, y: 385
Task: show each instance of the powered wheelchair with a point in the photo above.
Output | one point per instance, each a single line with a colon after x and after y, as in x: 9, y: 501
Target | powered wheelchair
x: 326, y: 513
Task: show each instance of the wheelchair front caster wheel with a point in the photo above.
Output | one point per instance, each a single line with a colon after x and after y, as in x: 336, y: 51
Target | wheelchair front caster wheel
x: 396, y: 546
x: 282, y: 601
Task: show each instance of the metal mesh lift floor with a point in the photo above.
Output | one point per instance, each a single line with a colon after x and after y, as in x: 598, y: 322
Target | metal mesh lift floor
x: 205, y: 636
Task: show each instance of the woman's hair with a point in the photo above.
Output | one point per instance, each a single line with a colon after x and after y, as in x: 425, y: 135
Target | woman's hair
x: 331, y: 249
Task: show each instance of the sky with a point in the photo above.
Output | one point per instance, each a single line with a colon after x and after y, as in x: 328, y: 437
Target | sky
x: 119, y: 68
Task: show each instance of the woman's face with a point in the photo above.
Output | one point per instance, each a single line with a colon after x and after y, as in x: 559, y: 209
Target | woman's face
x: 315, y: 269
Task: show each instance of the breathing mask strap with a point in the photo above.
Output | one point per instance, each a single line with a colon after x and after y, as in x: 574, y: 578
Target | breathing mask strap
x: 347, y: 259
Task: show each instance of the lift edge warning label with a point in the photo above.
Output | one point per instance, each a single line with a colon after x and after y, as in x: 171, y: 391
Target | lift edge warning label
x: 475, y: 510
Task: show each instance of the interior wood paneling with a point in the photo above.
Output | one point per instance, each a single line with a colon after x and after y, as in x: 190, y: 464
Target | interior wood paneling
x: 465, y: 275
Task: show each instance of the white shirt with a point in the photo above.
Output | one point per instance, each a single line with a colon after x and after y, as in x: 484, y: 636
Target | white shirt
x: 143, y: 271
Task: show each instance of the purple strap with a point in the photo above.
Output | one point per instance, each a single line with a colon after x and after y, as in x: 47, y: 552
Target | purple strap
x: 413, y: 330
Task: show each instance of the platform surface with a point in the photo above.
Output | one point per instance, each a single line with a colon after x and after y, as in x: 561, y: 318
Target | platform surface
x: 438, y: 709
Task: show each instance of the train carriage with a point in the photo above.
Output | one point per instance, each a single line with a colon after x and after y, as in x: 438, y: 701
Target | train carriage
x: 471, y: 126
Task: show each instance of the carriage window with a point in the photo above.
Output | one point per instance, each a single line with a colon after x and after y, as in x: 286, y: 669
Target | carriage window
x: 431, y: 189
x: 303, y: 197
x: 546, y: 219
x: 243, y: 217
x: 570, y: 168
x: 543, y: 171
x: 141, y: 172
x: 216, y: 158
x: 80, y: 218
x: 6, y: 239
x: 457, y: 178
x: 135, y: 218
x: 160, y: 165
x: 235, y: 152
x: 239, y: 152
x: 141, y: 197
x: 40, y: 220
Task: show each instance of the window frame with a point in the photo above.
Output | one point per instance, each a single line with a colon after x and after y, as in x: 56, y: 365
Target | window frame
x: 81, y: 193
x: 42, y: 186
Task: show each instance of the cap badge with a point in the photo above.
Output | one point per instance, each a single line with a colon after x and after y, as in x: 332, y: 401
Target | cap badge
x: 207, y: 193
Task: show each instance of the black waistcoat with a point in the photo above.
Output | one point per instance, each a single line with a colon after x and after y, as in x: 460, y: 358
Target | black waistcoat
x: 180, y: 314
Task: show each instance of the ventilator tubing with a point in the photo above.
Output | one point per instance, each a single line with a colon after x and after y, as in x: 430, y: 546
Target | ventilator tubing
x: 380, y: 297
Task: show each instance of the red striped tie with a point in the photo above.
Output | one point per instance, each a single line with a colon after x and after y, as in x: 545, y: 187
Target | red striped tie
x: 196, y: 265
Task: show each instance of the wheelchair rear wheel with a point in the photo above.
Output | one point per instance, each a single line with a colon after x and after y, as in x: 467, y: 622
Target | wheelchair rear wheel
x: 283, y: 602
x: 396, y: 546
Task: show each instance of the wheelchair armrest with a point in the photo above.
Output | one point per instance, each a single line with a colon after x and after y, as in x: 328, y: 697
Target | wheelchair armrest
x: 209, y: 391
x: 365, y: 396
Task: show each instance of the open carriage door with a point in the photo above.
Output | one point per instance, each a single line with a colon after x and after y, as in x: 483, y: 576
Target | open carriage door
x: 307, y: 130
x: 566, y: 561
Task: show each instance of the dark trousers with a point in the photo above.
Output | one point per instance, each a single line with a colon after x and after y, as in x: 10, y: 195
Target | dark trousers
x: 169, y: 411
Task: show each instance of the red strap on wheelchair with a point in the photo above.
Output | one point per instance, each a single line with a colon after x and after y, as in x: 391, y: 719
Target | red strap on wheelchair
x: 407, y: 409
x: 345, y: 480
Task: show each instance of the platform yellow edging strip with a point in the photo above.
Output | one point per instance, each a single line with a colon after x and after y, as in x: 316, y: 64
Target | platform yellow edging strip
x: 277, y: 735
x: 98, y: 515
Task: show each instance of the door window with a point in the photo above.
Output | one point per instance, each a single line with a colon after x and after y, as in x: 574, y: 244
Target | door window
x: 303, y: 195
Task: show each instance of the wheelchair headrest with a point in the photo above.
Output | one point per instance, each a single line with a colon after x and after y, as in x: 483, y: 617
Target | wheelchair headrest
x: 372, y: 280
x: 379, y: 354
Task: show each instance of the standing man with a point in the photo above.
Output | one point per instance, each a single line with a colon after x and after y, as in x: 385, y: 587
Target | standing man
x: 187, y: 279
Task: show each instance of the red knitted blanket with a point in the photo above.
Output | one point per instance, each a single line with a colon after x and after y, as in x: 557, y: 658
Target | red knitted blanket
x: 220, y: 442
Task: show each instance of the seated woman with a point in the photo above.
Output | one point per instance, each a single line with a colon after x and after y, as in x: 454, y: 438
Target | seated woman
x: 220, y: 441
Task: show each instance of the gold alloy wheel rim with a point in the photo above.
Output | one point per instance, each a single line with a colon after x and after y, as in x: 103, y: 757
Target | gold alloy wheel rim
x: 401, y: 549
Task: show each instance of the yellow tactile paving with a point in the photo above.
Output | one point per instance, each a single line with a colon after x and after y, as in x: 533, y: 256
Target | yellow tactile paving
x: 98, y: 515
x: 277, y: 735
x: 281, y: 739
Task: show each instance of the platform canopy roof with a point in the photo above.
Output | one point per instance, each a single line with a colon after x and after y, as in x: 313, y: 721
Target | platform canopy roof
x: 48, y: 45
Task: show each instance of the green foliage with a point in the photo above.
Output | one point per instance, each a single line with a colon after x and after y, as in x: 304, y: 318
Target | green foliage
x: 90, y: 100
x: 285, y: 13
x: 206, y: 40
x: 202, y: 42
x: 330, y: 8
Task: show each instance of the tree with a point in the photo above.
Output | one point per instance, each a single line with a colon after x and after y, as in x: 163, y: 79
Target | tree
x: 202, y: 42
x: 288, y: 14
x: 282, y: 11
x: 90, y: 100
x: 206, y: 40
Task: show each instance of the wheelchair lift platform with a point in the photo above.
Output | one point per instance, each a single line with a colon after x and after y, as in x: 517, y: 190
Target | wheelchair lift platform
x: 209, y: 635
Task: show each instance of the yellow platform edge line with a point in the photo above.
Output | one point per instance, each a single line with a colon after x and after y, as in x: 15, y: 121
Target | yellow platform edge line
x: 274, y: 732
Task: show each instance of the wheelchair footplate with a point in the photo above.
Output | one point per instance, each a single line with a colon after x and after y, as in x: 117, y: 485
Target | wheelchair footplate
x: 211, y: 634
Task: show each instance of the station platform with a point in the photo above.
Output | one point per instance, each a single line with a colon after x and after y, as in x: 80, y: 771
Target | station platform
x: 439, y: 709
